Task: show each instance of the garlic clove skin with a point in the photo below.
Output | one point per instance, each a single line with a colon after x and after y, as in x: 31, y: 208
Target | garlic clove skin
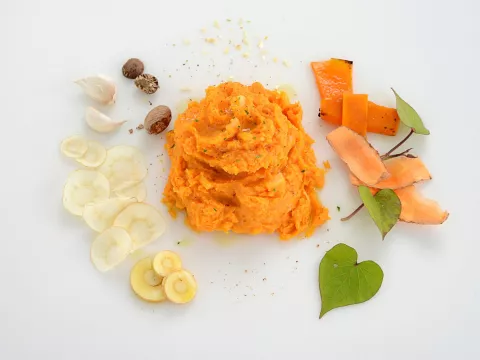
x: 100, y: 122
x: 99, y: 88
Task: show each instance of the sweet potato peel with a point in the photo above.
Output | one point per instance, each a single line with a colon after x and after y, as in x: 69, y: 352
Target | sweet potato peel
x: 418, y: 209
x: 404, y: 171
x: 361, y: 158
x: 355, y: 112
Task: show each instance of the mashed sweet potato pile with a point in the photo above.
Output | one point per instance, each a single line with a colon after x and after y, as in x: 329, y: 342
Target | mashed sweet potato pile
x: 241, y: 161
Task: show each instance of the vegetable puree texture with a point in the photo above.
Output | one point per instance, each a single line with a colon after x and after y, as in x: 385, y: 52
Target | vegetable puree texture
x: 242, y: 162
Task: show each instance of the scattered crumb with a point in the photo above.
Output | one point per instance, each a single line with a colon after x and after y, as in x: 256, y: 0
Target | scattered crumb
x: 272, y: 294
x: 185, y: 89
x: 211, y: 40
x: 216, y: 24
x: 238, y: 47
x: 326, y: 165
x: 226, y: 51
x: 296, y: 261
x: 130, y: 131
x: 260, y: 44
x: 150, y: 101
x: 275, y: 60
x: 246, y: 271
x: 338, y: 208
x: 140, y: 127
x: 286, y: 63
x: 265, y: 38
x: 246, y: 55
x: 264, y: 279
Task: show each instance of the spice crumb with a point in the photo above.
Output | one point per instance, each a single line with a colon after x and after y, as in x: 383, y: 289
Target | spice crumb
x: 246, y: 271
x: 338, y: 208
x: 130, y: 131
x: 264, y: 279
x: 140, y: 127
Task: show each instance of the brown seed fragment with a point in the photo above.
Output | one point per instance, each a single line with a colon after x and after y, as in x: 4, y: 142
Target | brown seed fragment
x: 133, y: 68
x: 147, y: 83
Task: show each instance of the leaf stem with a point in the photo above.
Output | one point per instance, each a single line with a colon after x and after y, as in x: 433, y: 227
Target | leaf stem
x: 403, y: 153
x: 353, y: 213
x: 399, y: 144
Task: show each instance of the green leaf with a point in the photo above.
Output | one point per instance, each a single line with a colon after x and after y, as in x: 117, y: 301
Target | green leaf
x: 343, y: 281
x: 384, y: 207
x: 409, y: 116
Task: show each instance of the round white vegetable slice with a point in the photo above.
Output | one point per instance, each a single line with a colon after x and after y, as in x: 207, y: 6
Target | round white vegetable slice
x: 83, y: 187
x: 100, y: 216
x: 74, y: 146
x: 94, y: 156
x: 124, y: 166
x: 166, y: 262
x: 143, y: 222
x: 145, y: 283
x: 110, y: 248
x: 137, y: 191
x: 180, y: 287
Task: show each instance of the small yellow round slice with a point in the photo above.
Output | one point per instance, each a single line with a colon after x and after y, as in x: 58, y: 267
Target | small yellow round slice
x: 74, y: 146
x: 145, y: 282
x: 180, y: 287
x: 166, y: 262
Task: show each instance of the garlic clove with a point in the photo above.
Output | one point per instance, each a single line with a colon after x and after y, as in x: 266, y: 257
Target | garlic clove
x: 100, y: 122
x: 99, y: 88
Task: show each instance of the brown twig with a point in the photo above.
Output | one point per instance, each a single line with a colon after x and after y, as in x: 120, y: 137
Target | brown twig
x: 403, y: 153
x: 398, y: 145
x: 353, y: 213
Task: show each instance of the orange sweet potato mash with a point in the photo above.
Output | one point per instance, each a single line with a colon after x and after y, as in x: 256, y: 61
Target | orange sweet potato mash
x: 242, y: 162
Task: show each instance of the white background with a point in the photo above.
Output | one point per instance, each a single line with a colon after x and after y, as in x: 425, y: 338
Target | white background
x: 55, y: 305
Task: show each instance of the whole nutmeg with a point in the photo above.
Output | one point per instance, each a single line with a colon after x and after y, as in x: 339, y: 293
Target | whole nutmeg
x: 158, y: 119
x: 133, y: 68
x: 147, y: 83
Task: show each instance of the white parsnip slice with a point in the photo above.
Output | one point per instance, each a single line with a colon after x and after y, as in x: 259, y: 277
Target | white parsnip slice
x: 100, y: 215
x: 137, y: 190
x: 166, y: 262
x: 74, y: 146
x: 180, y: 287
x: 145, y: 283
x: 83, y: 187
x: 143, y: 222
x: 124, y: 166
x: 94, y: 156
x: 110, y: 248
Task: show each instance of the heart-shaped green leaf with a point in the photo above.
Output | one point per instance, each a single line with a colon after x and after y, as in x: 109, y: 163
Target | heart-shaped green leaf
x: 409, y: 116
x: 384, y: 207
x: 343, y: 281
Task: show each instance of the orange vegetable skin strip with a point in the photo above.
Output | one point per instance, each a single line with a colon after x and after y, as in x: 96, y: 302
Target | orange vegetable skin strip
x: 355, y: 112
x: 404, y: 171
x: 331, y: 111
x: 333, y: 77
x: 361, y: 158
x: 382, y: 120
x: 418, y: 209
